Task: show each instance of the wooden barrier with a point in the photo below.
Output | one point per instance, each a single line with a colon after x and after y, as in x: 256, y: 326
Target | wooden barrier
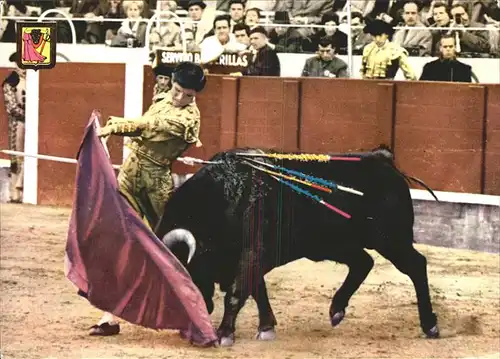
x: 446, y: 134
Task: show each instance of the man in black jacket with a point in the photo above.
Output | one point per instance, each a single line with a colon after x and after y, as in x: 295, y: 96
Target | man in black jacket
x: 447, y: 67
x: 263, y: 60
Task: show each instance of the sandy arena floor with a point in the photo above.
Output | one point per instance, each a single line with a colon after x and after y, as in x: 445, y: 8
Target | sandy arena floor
x: 42, y: 316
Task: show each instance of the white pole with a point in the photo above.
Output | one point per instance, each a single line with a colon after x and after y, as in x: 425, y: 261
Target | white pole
x: 134, y: 85
x: 349, y: 40
x: 30, y: 181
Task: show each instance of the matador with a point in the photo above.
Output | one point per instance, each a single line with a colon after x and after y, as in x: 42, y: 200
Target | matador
x: 14, y: 94
x: 162, y: 134
x: 382, y: 58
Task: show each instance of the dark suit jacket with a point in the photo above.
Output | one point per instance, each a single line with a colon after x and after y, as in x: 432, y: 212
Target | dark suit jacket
x: 266, y: 63
x: 444, y: 70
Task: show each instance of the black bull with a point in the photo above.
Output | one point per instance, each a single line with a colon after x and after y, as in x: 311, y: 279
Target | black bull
x: 242, y: 223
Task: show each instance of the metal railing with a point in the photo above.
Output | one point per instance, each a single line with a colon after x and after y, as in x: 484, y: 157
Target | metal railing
x: 156, y: 18
x: 66, y: 17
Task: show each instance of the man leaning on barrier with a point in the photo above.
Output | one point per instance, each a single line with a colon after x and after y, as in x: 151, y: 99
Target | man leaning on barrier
x: 14, y: 91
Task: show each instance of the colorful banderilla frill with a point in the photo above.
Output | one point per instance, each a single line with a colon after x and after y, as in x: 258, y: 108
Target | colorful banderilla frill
x: 308, y: 180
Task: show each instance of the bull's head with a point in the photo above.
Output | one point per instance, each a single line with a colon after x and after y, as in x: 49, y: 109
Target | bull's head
x: 180, y: 235
x: 199, y: 273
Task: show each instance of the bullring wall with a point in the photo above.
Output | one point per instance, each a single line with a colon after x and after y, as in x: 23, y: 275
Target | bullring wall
x: 446, y: 134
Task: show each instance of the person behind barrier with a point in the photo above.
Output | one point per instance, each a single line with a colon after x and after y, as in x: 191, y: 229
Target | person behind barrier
x: 14, y: 93
x: 161, y: 135
x: 447, y: 67
x: 382, y: 58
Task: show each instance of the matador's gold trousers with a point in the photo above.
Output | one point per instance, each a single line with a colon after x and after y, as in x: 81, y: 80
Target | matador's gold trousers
x: 147, y: 187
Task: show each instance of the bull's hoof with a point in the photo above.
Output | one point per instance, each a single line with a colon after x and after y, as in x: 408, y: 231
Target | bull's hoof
x: 227, y: 341
x: 432, y: 333
x: 266, y: 335
x: 337, y: 318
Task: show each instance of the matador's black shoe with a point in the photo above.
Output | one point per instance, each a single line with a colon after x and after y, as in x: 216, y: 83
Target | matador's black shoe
x: 105, y: 329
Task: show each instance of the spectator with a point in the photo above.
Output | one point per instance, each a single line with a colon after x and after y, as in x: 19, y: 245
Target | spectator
x: 447, y: 67
x: 132, y: 28
x: 285, y: 39
x: 14, y: 92
x: 305, y: 12
x: 163, y: 75
x: 476, y: 41
x: 98, y: 31
x: 416, y: 42
x: 242, y: 34
x: 82, y: 9
x: 222, y: 42
x: 359, y: 38
x: 266, y: 5
x: 168, y: 33
x: 196, y: 9
x: 237, y: 12
x: 381, y: 59
x: 265, y: 61
x: 325, y: 64
x: 337, y: 37
x: 252, y: 17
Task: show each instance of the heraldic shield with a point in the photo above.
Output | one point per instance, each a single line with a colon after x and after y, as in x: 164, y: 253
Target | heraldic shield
x: 36, y: 45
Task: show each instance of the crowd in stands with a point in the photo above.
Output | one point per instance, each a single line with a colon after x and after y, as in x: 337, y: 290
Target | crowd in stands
x: 278, y: 17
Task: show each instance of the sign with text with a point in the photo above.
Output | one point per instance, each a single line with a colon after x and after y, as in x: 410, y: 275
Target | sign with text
x: 225, y: 64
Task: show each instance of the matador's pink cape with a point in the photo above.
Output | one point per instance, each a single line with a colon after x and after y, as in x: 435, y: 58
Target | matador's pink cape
x: 123, y: 268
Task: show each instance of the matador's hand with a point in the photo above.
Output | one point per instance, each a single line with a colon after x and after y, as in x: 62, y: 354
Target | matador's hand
x: 104, y: 131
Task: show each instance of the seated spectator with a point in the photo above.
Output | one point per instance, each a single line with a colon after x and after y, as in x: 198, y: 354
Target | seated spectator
x: 82, y: 9
x: 476, y: 41
x: 252, y: 17
x: 337, y: 37
x: 359, y: 38
x: 469, y: 41
x: 132, y: 28
x: 285, y: 39
x: 168, y: 33
x: 99, y: 31
x: 265, y: 61
x: 242, y: 34
x: 196, y: 9
x: 325, y: 64
x: 447, y: 67
x: 306, y: 12
x: 266, y: 5
x: 416, y: 42
x: 222, y: 42
x: 236, y: 12
x: 494, y: 35
x: 163, y: 75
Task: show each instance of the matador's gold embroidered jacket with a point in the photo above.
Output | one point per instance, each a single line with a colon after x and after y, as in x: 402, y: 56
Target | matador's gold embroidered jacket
x: 384, y: 62
x: 162, y: 134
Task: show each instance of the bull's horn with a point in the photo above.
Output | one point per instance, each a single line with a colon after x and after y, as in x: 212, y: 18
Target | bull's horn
x: 181, y: 235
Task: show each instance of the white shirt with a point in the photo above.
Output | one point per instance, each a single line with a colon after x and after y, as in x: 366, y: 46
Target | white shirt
x: 211, y: 48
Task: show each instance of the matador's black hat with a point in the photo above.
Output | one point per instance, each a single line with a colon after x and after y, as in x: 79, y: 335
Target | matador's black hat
x: 190, y: 76
x: 378, y: 27
x: 13, y: 57
x: 164, y: 70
